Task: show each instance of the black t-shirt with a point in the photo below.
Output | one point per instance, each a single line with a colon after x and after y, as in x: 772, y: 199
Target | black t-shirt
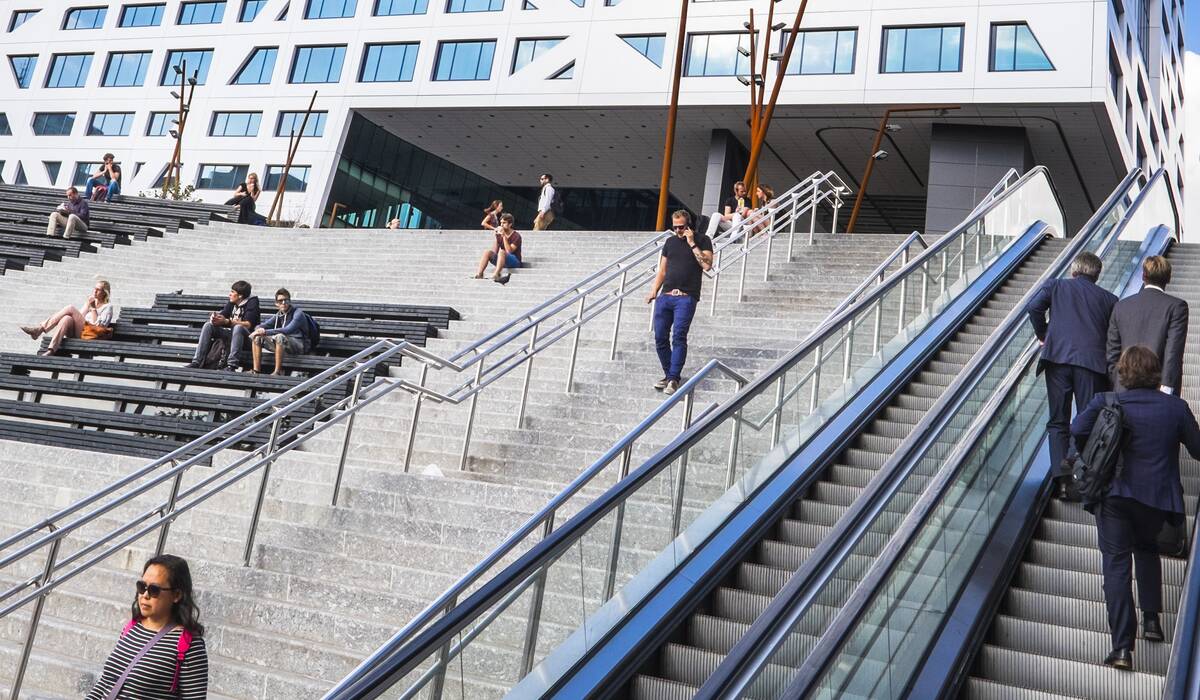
x: 683, y: 271
x: 735, y: 203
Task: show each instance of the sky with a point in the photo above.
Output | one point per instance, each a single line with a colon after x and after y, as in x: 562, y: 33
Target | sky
x: 1191, y: 29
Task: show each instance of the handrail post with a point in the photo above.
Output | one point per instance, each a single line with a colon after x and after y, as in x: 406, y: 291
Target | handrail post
x: 734, y: 443
x: 438, y: 684
x: 741, y: 295
x: 849, y: 351
x: 837, y: 205
x: 681, y: 475
x: 816, y: 382
x: 168, y: 508
x: 878, y: 328
x: 712, y: 308
x: 533, y: 336
x: 945, y: 254
x: 962, y: 257
x: 792, y: 226
x: 269, y: 455
x: 535, y: 607
x: 575, y: 343
x: 978, y: 242
x: 612, y: 351
x: 924, y: 286
x: 337, y: 480
x: 770, y: 240
x: 903, y: 293
x: 466, y: 446
x: 36, y: 618
x: 416, y: 416
x: 614, y: 555
x: 812, y: 214
x: 777, y: 421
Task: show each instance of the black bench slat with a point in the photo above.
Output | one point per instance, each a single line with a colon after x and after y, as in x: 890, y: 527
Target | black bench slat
x: 184, y: 429
x: 335, y: 346
x: 438, y: 315
x: 377, y: 329
x: 69, y: 247
x: 89, y: 440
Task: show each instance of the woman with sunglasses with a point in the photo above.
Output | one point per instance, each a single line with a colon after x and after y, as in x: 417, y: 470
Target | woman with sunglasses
x: 160, y: 654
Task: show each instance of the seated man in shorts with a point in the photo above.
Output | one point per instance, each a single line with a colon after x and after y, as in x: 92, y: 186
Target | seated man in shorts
x: 284, y: 332
x: 505, y: 252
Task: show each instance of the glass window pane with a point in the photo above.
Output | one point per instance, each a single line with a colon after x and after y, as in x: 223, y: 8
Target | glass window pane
x: 69, y: 70
x: 85, y: 18
x: 893, y: 60
x: 196, y: 60
x: 474, y: 5
x: 235, y: 124
x: 1028, y: 53
x: 289, y: 122
x: 388, y: 63
x: 951, y: 45
x: 716, y: 55
x: 846, y: 43
x: 160, y: 123
x: 141, y: 15
x: 250, y: 10
x: 401, y: 7
x: 53, y: 123
x: 259, y: 67
x: 318, y: 64
x: 464, y: 60
x: 5, y: 129
x: 817, y: 56
x: 529, y: 49
x: 201, y: 12
x: 22, y: 67
x: 297, y: 178
x: 1003, y: 42
x: 110, y: 124
x: 327, y: 9
x: 221, y: 177
x: 20, y: 17
x: 126, y: 69
x: 650, y: 46
x: 923, y: 49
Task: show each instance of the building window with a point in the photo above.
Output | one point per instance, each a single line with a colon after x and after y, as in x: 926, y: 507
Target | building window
x: 474, y: 5
x: 195, y: 61
x: 329, y: 9
x: 52, y: 169
x: 68, y: 70
x: 20, y: 17
x: 289, y: 123
x: 85, y: 18
x: 53, y: 123
x: 126, y: 69
x: 317, y: 64
x: 258, y: 68
x: 1014, y: 48
x: 201, y: 12
x: 464, y: 60
x: 565, y: 73
x: 221, y: 177
x: 22, y: 67
x: 161, y: 123
x: 388, y: 63
x: 716, y: 54
x: 297, y: 178
x: 235, y: 124
x: 250, y: 10
x: 5, y: 129
x: 529, y: 49
x: 141, y: 15
x: 110, y: 124
x: 823, y: 52
x: 385, y: 8
x: 648, y: 45
x: 82, y: 172
x: 922, y: 49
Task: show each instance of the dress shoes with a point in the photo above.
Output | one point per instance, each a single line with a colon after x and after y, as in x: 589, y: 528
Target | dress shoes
x: 1151, y: 630
x: 1119, y: 659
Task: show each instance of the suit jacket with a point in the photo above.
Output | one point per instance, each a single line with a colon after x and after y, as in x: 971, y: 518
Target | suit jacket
x: 1156, y: 424
x: 1154, y: 319
x: 1079, y: 311
x: 251, y: 311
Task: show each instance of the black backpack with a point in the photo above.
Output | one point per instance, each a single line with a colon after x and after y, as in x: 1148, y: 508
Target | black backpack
x: 1100, y: 461
x: 556, y: 203
x: 314, y: 331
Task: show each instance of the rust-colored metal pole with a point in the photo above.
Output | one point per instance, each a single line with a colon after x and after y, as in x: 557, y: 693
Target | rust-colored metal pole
x: 755, y: 100
x: 170, y: 171
x: 672, y: 114
x: 765, y: 122
x: 293, y: 146
x: 762, y: 92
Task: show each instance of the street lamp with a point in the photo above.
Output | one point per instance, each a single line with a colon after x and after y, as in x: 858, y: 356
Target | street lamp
x: 187, y: 91
x: 672, y: 116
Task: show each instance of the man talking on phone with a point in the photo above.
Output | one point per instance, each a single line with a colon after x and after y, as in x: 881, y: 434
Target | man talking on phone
x: 232, y: 324
x: 685, y: 257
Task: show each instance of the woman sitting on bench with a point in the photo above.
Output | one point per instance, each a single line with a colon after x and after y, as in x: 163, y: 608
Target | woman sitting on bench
x: 92, y: 322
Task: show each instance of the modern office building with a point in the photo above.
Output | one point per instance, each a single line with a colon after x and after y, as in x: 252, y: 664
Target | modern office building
x: 428, y: 109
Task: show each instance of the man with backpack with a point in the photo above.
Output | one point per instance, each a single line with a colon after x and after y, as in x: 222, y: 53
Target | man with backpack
x: 1135, y: 491
x: 288, y: 331
x: 1072, y: 351
x: 226, y: 331
x: 549, y: 204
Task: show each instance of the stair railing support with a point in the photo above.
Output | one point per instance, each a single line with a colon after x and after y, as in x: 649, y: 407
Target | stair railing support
x: 770, y: 240
x: 341, y: 469
x: 466, y: 446
x: 741, y: 295
x: 535, y: 608
x: 735, y: 441
x: 36, y: 618
x: 439, y: 678
x: 416, y: 416
x: 903, y: 293
x: 612, y: 351
x: 837, y: 205
x: 716, y: 281
x: 614, y: 554
x: 167, y: 509
x: 816, y: 381
x: 269, y: 456
x: 575, y: 343
x: 533, y: 336
x: 681, y: 475
x: 777, y: 420
x: 812, y: 214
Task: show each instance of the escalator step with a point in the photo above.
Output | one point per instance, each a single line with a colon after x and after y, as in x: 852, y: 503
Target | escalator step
x: 820, y: 513
x: 782, y: 555
x: 764, y: 580
x: 1063, y: 612
x: 688, y: 665
x: 1083, y: 559
x: 924, y: 389
x: 740, y: 606
x: 1080, y: 646
x: 848, y: 475
x: 1078, y: 585
x: 802, y: 534
x: 878, y: 443
x: 981, y: 689
x: 890, y: 428
x: 899, y: 414
x: 1092, y: 681
x: 715, y: 633
x: 837, y: 494
x: 654, y: 688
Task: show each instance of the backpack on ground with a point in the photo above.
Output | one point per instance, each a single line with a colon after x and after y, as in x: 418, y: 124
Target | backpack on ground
x: 556, y: 202
x: 1099, y: 463
x: 217, y: 355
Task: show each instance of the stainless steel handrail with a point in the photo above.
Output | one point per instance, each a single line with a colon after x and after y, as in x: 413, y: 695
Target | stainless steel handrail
x: 678, y: 446
x: 271, y: 417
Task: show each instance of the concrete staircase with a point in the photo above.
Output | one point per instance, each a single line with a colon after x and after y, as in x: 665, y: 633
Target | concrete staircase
x: 329, y: 584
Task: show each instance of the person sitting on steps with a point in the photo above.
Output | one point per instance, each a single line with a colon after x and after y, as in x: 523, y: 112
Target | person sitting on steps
x: 73, y: 215
x: 284, y: 332
x: 505, y: 251
x: 108, y: 177
x: 232, y: 325
x: 92, y: 321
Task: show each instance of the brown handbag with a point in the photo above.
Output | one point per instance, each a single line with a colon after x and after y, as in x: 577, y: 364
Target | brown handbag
x: 94, y: 331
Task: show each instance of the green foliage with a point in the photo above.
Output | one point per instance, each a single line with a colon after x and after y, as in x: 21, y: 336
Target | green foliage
x: 174, y: 192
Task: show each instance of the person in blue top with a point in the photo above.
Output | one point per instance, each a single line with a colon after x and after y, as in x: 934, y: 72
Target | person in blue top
x: 1073, y: 359
x: 284, y: 332
x: 1145, y: 495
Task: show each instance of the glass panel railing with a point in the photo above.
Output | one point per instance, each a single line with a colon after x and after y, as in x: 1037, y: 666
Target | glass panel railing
x: 814, y: 611
x: 564, y: 596
x: 883, y: 647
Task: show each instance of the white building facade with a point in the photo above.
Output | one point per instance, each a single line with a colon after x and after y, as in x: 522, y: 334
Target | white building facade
x: 428, y: 109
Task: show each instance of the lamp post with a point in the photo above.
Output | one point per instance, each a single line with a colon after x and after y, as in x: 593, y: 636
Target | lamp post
x: 879, y: 154
x: 293, y: 146
x: 185, y: 107
x: 672, y: 114
x: 760, y: 134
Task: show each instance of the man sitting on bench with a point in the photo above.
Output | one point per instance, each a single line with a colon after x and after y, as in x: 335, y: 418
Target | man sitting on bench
x: 287, y: 331
x: 232, y: 325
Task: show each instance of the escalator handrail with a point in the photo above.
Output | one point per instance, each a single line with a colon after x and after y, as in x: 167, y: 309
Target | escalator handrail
x: 847, y: 618
x: 770, y: 628
x: 410, y: 645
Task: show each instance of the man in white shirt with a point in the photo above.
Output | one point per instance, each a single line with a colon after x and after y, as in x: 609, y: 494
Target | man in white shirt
x: 1152, y: 318
x: 545, y: 215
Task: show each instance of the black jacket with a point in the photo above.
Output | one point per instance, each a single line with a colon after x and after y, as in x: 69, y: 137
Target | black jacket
x: 252, y: 314
x: 1154, y: 319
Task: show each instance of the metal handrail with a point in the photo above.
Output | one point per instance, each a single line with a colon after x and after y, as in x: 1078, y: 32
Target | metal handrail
x: 740, y: 666
x: 457, y: 616
x: 271, y: 417
x: 902, y: 251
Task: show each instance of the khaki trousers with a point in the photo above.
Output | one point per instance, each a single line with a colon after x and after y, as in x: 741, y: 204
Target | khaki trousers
x: 70, y: 224
x: 542, y: 221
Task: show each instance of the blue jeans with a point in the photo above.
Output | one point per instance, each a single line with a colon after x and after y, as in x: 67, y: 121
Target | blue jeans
x: 672, y: 319
x: 114, y: 187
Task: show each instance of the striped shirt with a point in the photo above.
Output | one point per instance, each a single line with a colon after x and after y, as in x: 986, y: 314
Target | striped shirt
x: 152, y: 678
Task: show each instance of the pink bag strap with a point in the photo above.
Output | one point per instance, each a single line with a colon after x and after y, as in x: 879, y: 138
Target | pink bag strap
x: 120, y: 683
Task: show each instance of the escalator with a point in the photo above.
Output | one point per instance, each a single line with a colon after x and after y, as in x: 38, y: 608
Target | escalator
x: 683, y: 664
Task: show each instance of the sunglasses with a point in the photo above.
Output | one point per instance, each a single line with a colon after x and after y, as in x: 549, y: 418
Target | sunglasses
x: 151, y: 589
x: 280, y: 302
x: 681, y: 228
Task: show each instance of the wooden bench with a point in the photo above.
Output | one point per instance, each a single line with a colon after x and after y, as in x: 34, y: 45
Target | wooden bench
x: 408, y: 330
x: 63, y: 247
x: 438, y: 316
x: 331, y: 345
x: 90, y: 440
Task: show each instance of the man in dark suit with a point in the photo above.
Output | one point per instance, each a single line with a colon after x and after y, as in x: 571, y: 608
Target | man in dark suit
x: 1145, y: 495
x: 1072, y: 351
x: 1152, y: 318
